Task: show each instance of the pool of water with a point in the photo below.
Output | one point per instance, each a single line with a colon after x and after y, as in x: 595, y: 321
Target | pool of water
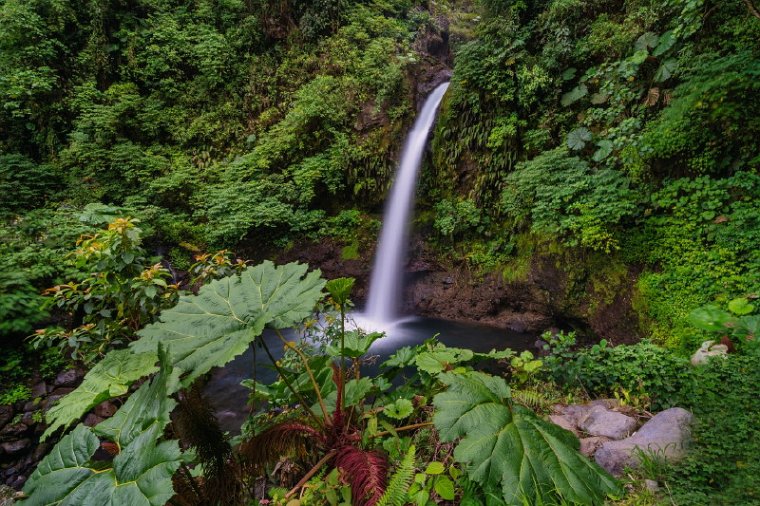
x: 228, y: 397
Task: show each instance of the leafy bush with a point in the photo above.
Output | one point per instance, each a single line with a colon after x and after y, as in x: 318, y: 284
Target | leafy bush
x: 318, y: 398
x: 645, y: 372
x: 723, y: 464
x: 709, y: 127
x: 21, y: 306
x: 24, y: 184
x: 559, y: 195
x: 116, y: 292
x: 699, y: 237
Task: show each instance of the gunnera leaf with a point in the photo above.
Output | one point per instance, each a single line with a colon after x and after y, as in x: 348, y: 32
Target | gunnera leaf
x: 574, y: 95
x: 646, y: 41
x: 111, y: 377
x: 439, y: 358
x: 210, y: 329
x: 509, y: 448
x: 666, y: 70
x: 399, y: 409
x: 141, y: 472
x: 577, y: 139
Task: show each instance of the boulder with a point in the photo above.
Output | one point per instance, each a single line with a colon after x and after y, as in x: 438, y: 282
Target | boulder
x: 589, y: 445
x: 574, y: 413
x: 564, y: 422
x: 67, y: 378
x: 55, y: 396
x: 18, y: 446
x: 707, y: 350
x: 105, y: 409
x: 92, y: 420
x: 6, y: 415
x: 603, y: 422
x: 13, y: 431
x: 665, y: 436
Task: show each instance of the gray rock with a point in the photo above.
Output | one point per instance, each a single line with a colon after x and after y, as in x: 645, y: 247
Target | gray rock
x: 589, y: 445
x: 605, y: 403
x: 6, y: 415
x: 55, y: 396
x: 665, y: 436
x: 92, y: 420
x: 105, y: 409
x: 39, y: 390
x: 28, y: 418
x: 14, y: 431
x: 17, y: 446
x: 564, y: 422
x: 652, y: 486
x: 67, y: 378
x: 575, y: 413
x: 600, y: 421
x: 708, y: 350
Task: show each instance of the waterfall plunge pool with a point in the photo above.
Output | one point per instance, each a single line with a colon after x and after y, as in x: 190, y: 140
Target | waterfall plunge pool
x: 228, y: 397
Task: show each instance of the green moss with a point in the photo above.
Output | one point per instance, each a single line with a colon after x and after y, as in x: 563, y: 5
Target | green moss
x: 350, y: 252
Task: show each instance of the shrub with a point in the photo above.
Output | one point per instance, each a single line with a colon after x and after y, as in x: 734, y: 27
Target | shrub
x: 558, y: 195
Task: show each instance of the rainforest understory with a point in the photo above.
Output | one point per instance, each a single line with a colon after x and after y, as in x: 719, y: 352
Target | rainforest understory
x: 591, y: 179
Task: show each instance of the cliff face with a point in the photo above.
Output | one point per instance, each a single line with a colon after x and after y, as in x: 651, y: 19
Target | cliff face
x: 547, y: 296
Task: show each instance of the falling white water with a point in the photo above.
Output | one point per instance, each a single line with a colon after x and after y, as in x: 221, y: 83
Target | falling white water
x: 387, y: 274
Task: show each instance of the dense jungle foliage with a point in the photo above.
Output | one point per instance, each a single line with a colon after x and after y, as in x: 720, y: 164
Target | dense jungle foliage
x: 142, y: 140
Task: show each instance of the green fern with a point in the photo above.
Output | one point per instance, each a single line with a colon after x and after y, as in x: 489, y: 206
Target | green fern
x: 532, y: 399
x: 395, y: 494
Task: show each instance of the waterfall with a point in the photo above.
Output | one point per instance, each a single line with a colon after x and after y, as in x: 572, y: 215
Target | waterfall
x: 385, y: 287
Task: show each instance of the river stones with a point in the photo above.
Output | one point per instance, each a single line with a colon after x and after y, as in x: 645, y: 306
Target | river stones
x: 665, y: 436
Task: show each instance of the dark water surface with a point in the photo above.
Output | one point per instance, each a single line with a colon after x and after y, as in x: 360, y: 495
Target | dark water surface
x: 228, y: 397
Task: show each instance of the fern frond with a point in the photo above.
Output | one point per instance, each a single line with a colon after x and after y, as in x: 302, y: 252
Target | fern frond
x: 532, y: 399
x: 366, y: 472
x: 395, y: 494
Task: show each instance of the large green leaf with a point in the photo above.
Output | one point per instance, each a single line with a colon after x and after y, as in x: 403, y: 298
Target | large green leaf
x: 355, y: 344
x: 438, y: 358
x: 509, y: 447
x: 139, y: 475
x: 210, y: 329
x: 110, y: 378
x: 574, y: 95
x: 577, y: 139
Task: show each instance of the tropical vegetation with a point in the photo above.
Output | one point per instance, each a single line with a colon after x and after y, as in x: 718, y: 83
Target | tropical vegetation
x: 602, y: 154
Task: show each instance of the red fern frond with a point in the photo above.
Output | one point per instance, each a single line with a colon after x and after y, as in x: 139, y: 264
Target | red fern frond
x: 366, y: 472
x: 287, y: 438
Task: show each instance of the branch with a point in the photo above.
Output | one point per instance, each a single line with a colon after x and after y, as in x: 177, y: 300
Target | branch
x: 400, y: 429
x: 287, y: 383
x: 311, y: 473
x: 311, y: 375
x: 752, y: 8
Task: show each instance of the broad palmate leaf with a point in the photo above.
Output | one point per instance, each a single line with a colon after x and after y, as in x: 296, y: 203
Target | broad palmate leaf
x: 508, y: 447
x: 141, y: 472
x: 110, y: 378
x: 210, y: 329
